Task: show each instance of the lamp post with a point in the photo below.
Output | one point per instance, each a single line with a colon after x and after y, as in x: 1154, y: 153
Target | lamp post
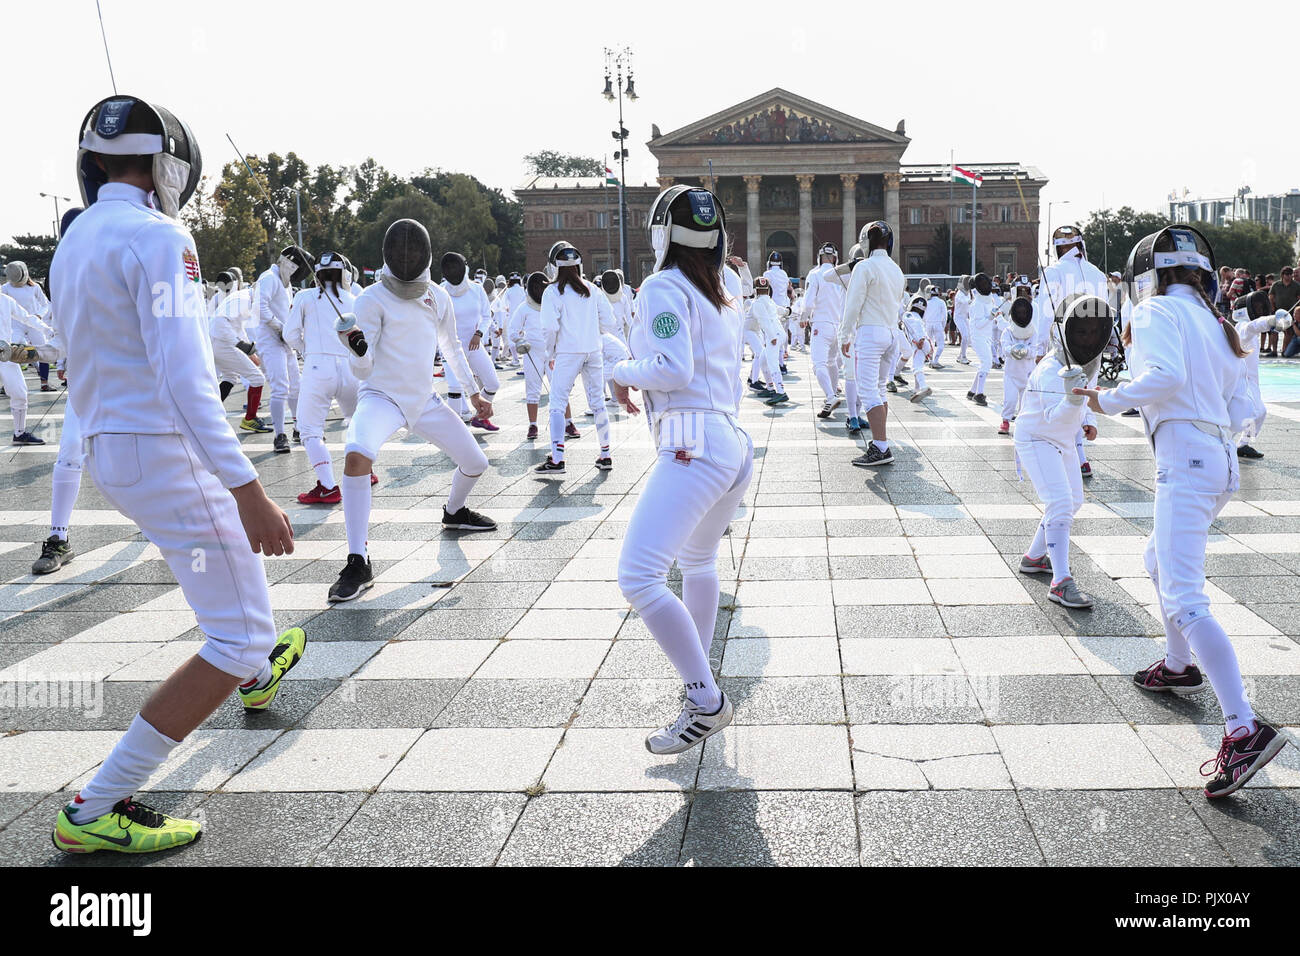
x: 56, y: 209
x: 1059, y: 202
x: 616, y: 63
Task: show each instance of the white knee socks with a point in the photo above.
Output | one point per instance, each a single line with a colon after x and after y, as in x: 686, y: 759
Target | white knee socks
x: 356, y: 511
x: 461, y: 485
x: 700, y: 592
x: 138, y: 754
x: 674, y: 631
x: 63, y: 496
x: 1057, y: 535
x: 319, y: 457
x: 1209, y: 641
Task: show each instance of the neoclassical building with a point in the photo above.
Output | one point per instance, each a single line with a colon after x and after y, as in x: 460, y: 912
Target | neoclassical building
x: 792, y: 174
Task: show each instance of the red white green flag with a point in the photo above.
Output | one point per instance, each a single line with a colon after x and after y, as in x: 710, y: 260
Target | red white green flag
x: 610, y: 178
x: 967, y: 176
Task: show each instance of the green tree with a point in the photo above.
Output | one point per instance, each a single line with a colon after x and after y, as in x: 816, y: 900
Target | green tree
x: 367, y: 252
x: 466, y: 223
x: 548, y: 162
x: 225, y: 226
x: 937, y: 260
x: 1248, y: 245
x: 36, y: 251
x: 1110, y: 235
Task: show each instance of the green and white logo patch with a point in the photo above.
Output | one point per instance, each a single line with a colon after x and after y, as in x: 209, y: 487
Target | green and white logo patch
x: 665, y: 325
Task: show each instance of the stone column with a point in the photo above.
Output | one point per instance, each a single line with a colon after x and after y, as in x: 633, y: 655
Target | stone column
x: 848, y: 212
x: 805, y: 181
x: 665, y: 181
x: 892, y: 181
x: 753, y: 236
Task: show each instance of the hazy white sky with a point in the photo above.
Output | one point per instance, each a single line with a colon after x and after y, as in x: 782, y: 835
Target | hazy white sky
x: 1113, y: 99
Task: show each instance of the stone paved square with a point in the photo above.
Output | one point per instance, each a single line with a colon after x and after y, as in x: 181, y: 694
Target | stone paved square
x: 902, y: 695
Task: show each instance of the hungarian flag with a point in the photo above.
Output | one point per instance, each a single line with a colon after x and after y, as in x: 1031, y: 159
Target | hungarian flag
x: 610, y: 178
x: 969, y: 177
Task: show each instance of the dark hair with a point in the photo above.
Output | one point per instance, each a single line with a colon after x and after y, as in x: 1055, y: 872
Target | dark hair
x: 333, y: 276
x: 1182, y: 275
x: 700, y: 268
x: 571, y: 276
x: 118, y: 166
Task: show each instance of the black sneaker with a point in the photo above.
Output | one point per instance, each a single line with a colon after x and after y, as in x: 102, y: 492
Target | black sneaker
x: 281, y: 444
x: 980, y: 400
x: 27, y: 438
x: 355, y: 577
x: 1246, y: 451
x: 1130, y: 413
x: 466, y: 520
x: 605, y: 464
x: 874, y: 456
x: 900, y: 380
x: 970, y: 396
x: 550, y: 467
x: 297, y: 439
x: 1240, y: 757
x: 1160, y: 680
x: 55, y: 553
x: 756, y: 386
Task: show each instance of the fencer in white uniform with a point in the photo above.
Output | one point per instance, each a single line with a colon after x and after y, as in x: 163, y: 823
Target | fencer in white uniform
x: 24, y: 290
x: 686, y: 347
x: 853, y: 422
x: 919, y: 344
x: 764, y: 313
x: 1189, y: 383
x: 278, y: 361
x: 868, y: 325
x: 823, y: 306
x: 1018, y: 347
x: 936, y: 320
x: 573, y: 311
x: 981, y: 321
x: 530, y: 345
x: 1050, y: 416
x: 780, y: 280
x: 233, y: 353
x: 327, y: 375
x: 401, y: 322
x: 1253, y: 315
x: 158, y: 447
x: 961, y: 317
x: 19, y: 327
x: 473, y: 323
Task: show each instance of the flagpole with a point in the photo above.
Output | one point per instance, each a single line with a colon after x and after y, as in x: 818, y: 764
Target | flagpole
x: 974, y: 215
x: 951, y: 175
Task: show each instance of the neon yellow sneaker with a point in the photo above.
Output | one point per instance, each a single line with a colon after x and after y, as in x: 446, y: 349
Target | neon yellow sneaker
x: 288, y: 651
x: 129, y: 827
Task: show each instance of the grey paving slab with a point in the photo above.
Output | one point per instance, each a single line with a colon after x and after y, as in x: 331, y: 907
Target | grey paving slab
x: 383, y: 703
x: 945, y: 828
x: 599, y: 829
x: 439, y: 829
x: 771, y: 828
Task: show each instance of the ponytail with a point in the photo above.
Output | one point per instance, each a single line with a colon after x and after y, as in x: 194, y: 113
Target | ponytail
x: 1181, y: 275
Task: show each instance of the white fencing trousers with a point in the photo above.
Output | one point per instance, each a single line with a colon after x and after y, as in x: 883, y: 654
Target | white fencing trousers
x: 983, y: 346
x: 772, y: 366
x: 681, y: 515
x: 15, y: 386
x: 918, y: 363
x: 234, y: 366
x: 325, y: 379
x: 963, y: 328
x: 480, y: 366
x: 1059, y: 486
x: 824, y: 349
x: 1256, y: 424
x: 568, y: 365
x: 377, y: 418
x: 755, y: 343
x: 1015, y: 379
x: 1196, y: 475
x: 280, y: 366
x: 936, y: 335
x: 180, y: 506
x: 873, y: 356
x: 534, y: 364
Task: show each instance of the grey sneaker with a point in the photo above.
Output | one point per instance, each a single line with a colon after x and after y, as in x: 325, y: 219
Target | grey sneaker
x: 1067, y: 594
x: 55, y: 553
x: 691, y: 726
x: 923, y: 394
x: 1030, y: 565
x: 874, y: 456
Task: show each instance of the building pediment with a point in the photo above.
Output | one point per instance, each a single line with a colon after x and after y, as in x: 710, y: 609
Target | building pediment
x: 778, y: 116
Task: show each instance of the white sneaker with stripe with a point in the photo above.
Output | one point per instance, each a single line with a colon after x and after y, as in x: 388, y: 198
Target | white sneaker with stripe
x: 691, y: 726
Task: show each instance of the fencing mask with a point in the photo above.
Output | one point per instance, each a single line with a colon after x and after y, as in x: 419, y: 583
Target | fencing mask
x: 16, y: 273
x: 1253, y: 305
x: 611, y: 284
x: 453, y: 269
x: 407, y: 251
x: 1022, y: 318
x: 964, y: 284
x: 1083, y: 330
x: 982, y: 283
x: 295, y: 265
x: 536, y: 288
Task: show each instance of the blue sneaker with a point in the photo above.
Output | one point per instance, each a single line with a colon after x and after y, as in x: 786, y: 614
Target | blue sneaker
x: 854, y: 425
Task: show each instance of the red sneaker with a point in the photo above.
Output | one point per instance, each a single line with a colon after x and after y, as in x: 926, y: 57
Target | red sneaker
x: 374, y: 479
x: 1004, y: 428
x: 483, y: 423
x: 320, y: 495
x: 571, y: 431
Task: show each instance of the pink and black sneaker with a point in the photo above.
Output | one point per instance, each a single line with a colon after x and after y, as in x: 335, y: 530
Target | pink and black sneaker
x: 1241, y: 755
x: 1159, y: 679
